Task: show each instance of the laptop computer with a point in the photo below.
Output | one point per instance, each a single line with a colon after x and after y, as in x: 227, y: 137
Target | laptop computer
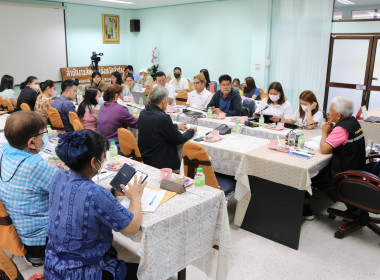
x: 137, y: 95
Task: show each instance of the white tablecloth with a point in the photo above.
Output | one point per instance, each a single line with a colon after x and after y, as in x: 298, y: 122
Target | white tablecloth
x: 182, y: 232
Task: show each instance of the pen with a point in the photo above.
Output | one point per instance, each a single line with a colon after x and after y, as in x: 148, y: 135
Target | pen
x: 103, y: 172
x: 153, y: 200
x: 305, y: 152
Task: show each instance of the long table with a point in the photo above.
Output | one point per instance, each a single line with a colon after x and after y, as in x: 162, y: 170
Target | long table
x: 181, y: 232
x: 276, y: 183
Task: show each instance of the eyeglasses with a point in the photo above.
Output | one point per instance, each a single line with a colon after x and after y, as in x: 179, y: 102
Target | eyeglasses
x: 45, y: 131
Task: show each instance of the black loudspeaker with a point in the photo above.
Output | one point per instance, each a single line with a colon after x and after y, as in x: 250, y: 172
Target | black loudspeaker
x: 135, y: 25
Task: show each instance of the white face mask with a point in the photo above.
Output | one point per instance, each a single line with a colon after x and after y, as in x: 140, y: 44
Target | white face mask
x: 274, y: 98
x: 35, y: 87
x: 305, y: 108
x: 141, y: 77
x: 101, y: 167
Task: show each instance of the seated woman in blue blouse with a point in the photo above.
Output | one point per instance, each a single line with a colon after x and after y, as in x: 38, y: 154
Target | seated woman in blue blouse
x: 250, y: 89
x: 83, y: 214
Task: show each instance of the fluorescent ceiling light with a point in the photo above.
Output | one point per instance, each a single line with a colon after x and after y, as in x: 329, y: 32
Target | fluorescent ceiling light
x: 346, y: 2
x: 119, y: 2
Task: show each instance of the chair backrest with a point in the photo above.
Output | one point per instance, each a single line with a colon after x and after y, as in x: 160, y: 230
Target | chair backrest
x: 128, y: 144
x: 147, y: 90
x: 9, y: 239
x: 77, y: 125
x: 8, y: 267
x: 25, y: 107
x: 263, y: 95
x: 359, y: 189
x: 191, y: 86
x: 55, y: 119
x: 261, y: 91
x: 181, y: 98
x: 194, y: 156
x: 9, y: 105
x: 73, y: 116
x: 251, y: 105
x: 2, y: 102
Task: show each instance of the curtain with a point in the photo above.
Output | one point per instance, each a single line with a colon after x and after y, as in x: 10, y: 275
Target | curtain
x: 300, y: 39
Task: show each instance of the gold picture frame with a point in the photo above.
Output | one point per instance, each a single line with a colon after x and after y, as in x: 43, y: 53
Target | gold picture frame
x: 111, y: 29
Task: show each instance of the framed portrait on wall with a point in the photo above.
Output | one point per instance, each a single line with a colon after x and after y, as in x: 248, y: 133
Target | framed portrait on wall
x: 111, y: 29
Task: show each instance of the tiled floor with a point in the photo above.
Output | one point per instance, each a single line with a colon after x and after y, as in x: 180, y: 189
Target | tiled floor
x: 320, y: 255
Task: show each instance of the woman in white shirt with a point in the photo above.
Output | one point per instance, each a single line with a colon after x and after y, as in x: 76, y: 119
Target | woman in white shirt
x: 276, y: 105
x: 308, y: 113
x: 6, y: 89
x: 200, y: 97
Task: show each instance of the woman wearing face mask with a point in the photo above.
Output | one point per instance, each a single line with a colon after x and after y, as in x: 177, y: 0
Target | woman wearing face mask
x: 29, y: 92
x: 276, y: 105
x: 112, y: 115
x: 88, y: 110
x: 308, y: 113
x: 236, y: 86
x: 83, y: 214
x: 43, y: 101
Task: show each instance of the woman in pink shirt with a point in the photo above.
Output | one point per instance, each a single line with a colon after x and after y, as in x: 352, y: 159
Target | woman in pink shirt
x: 88, y: 110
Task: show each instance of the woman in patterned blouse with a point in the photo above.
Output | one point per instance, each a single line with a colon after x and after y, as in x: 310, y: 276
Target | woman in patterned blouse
x: 83, y: 214
x: 43, y: 102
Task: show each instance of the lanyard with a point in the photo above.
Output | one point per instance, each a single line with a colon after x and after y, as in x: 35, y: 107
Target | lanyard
x: 1, y: 161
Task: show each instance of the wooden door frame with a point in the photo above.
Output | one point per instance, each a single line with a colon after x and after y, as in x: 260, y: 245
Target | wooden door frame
x: 371, y: 37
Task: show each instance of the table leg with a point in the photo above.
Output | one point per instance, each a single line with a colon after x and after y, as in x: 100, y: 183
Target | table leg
x: 274, y: 211
x: 182, y: 274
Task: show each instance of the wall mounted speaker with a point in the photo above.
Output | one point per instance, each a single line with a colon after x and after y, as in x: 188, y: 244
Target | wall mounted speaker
x: 135, y: 25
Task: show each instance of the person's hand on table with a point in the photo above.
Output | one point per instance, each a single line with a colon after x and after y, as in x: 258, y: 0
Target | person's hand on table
x: 275, y: 119
x: 195, y: 129
x: 256, y: 116
x: 134, y: 191
x: 216, y: 110
x: 182, y: 126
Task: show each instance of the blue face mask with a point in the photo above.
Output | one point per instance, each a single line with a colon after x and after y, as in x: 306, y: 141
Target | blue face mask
x: 45, y: 139
x: 100, y: 101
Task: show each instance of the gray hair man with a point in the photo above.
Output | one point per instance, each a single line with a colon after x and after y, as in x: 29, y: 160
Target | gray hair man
x: 342, y: 136
x: 158, y: 136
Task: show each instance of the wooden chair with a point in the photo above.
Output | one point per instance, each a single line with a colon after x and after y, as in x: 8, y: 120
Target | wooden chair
x: 55, y: 120
x: 261, y: 91
x: 8, y: 270
x: 128, y: 144
x: 194, y: 156
x: 181, y: 98
x: 2, y: 104
x: 147, y: 90
x: 9, y: 105
x: 73, y: 116
x: 191, y: 86
x: 77, y: 125
x: 25, y: 107
x: 154, y: 83
x: 9, y: 239
x: 263, y: 95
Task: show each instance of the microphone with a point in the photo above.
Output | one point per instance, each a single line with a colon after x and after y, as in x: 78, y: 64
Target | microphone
x: 263, y: 109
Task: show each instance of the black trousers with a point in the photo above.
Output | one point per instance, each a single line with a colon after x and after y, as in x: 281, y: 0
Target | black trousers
x: 35, y: 251
x: 324, y: 182
x: 131, y: 272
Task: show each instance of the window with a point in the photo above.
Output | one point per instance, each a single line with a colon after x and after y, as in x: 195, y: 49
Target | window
x: 338, y: 15
x: 365, y: 14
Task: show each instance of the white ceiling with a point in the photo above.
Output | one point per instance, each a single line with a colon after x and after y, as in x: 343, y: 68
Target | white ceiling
x: 140, y: 4
x: 358, y: 3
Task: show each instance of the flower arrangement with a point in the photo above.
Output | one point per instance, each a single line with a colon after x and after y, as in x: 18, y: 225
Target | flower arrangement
x: 153, y: 70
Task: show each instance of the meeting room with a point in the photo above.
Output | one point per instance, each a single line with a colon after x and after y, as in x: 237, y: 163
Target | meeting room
x: 189, y: 139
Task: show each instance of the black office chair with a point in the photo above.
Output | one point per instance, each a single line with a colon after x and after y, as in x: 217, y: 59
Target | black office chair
x: 245, y: 112
x: 361, y: 190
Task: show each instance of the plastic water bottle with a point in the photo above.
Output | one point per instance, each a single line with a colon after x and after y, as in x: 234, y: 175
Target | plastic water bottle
x: 199, y: 178
x: 49, y: 130
x: 261, y: 120
x: 141, y: 101
x: 135, y: 111
x: 113, y: 152
x: 237, y: 128
x: 209, y: 113
x: 301, y: 141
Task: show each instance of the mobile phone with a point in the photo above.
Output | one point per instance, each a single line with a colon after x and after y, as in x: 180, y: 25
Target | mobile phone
x: 199, y: 139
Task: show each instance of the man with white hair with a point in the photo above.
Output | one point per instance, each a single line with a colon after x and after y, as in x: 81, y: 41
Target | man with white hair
x: 158, y: 136
x: 145, y: 80
x: 343, y: 137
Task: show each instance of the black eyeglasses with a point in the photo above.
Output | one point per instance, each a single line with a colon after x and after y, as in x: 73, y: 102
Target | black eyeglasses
x: 45, y: 131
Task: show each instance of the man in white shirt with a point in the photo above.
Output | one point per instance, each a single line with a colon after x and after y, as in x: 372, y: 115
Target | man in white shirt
x: 200, y: 97
x: 179, y: 83
x: 161, y: 80
x: 144, y: 79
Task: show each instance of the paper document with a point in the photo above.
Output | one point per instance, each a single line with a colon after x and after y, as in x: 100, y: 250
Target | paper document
x: 104, y: 175
x: 149, y: 201
x: 316, y: 138
x: 312, y: 145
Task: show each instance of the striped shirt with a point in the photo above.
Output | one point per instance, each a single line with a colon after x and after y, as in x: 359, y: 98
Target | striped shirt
x: 26, y: 194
